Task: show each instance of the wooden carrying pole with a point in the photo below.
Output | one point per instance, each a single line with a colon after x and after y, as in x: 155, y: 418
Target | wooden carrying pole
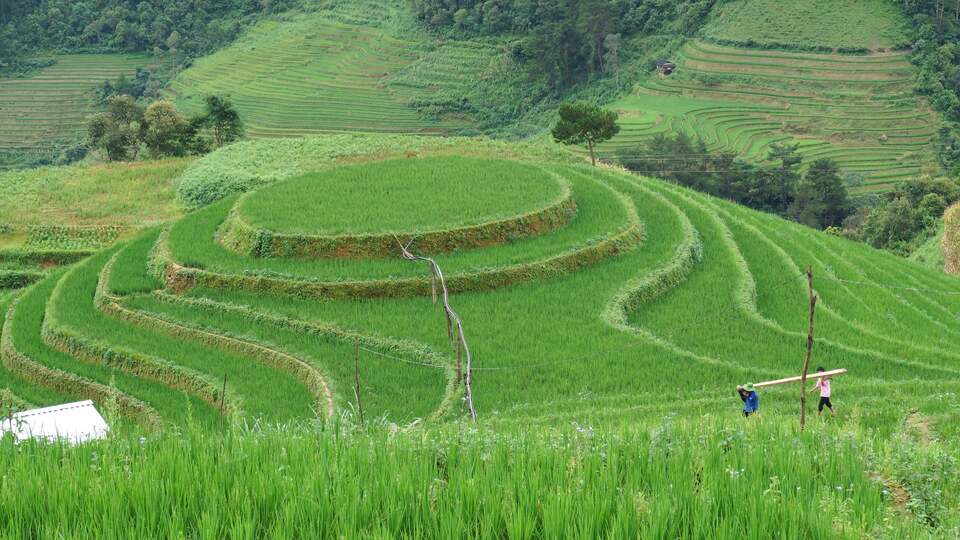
x: 816, y: 375
x: 806, y: 356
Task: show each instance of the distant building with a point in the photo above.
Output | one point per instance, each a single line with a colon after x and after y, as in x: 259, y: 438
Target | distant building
x: 665, y: 67
x: 74, y: 423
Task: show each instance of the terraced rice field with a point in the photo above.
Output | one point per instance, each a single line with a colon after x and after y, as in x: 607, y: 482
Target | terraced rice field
x: 566, y: 325
x: 49, y: 108
x: 870, y: 24
x: 331, y: 71
x: 858, y: 110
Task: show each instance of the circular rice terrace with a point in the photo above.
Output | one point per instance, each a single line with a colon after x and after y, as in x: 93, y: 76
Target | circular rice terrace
x: 489, y: 223
x: 441, y: 204
x: 564, y: 326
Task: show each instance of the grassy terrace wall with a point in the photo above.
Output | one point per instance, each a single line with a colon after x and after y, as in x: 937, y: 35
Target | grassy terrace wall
x: 859, y: 110
x: 48, y: 109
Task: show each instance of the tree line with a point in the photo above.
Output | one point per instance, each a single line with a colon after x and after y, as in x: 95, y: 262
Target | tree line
x: 902, y: 219
x: 817, y: 197
x: 184, y: 29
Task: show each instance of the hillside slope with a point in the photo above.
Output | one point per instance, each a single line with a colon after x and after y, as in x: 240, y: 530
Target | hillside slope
x: 567, y: 318
x: 334, y: 70
x: 47, y: 110
x: 811, y: 24
x: 859, y: 110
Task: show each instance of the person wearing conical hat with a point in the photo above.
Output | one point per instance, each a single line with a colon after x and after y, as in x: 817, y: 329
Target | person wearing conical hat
x: 750, y: 398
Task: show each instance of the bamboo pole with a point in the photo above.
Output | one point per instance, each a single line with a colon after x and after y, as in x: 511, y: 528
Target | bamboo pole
x: 818, y: 375
x: 809, y: 351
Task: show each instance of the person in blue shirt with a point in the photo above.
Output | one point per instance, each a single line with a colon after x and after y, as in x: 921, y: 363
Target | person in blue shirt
x: 750, y: 398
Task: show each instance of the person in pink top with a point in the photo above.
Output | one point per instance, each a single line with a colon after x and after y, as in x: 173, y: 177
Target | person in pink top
x: 823, y: 384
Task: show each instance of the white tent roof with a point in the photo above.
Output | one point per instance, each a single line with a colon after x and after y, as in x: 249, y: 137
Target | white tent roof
x: 72, y: 422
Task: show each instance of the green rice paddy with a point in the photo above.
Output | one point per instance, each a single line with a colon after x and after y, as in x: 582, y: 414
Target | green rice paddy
x: 858, y: 110
x: 563, y: 325
x: 48, y: 109
x: 336, y: 70
x: 604, y: 347
x: 870, y: 24
x: 401, y: 196
x: 609, y: 315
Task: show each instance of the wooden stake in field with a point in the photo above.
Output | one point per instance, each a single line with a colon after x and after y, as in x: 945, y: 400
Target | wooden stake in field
x: 356, y: 377
x: 223, y: 398
x: 453, y: 322
x: 806, y: 356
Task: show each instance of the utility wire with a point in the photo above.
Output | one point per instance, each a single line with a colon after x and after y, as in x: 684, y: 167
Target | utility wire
x: 437, y: 366
x: 893, y: 287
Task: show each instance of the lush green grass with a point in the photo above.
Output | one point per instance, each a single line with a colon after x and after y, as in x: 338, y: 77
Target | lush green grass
x: 401, y: 196
x: 714, y: 290
x: 27, y: 394
x: 251, y: 164
x: 327, y: 71
x: 25, y: 329
x: 130, y: 195
x: 930, y: 253
x: 687, y: 324
x: 418, y: 395
x: 656, y: 332
x: 870, y: 24
x: 49, y: 108
x: 72, y: 309
x: 667, y: 479
x: 192, y: 243
x: 857, y: 110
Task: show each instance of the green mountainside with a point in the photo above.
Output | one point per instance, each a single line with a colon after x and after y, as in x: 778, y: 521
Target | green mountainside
x: 856, y: 109
x: 45, y: 112
x: 811, y: 24
x: 290, y: 336
x: 321, y: 72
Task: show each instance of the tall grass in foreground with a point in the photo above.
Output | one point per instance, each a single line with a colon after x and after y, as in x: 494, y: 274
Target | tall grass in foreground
x: 702, y: 479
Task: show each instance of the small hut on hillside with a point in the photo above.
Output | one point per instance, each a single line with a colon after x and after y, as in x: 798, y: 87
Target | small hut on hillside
x: 665, y: 67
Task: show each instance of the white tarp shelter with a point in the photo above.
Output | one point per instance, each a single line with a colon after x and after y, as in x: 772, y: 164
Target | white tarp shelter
x: 74, y: 423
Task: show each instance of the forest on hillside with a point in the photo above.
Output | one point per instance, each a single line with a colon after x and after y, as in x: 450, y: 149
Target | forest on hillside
x: 566, y: 40
x: 191, y: 29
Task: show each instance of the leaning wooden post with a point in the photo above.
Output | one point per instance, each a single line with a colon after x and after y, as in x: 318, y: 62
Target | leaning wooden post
x: 459, y: 362
x: 806, y: 357
x: 223, y: 398
x: 356, y: 377
x: 454, y: 323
